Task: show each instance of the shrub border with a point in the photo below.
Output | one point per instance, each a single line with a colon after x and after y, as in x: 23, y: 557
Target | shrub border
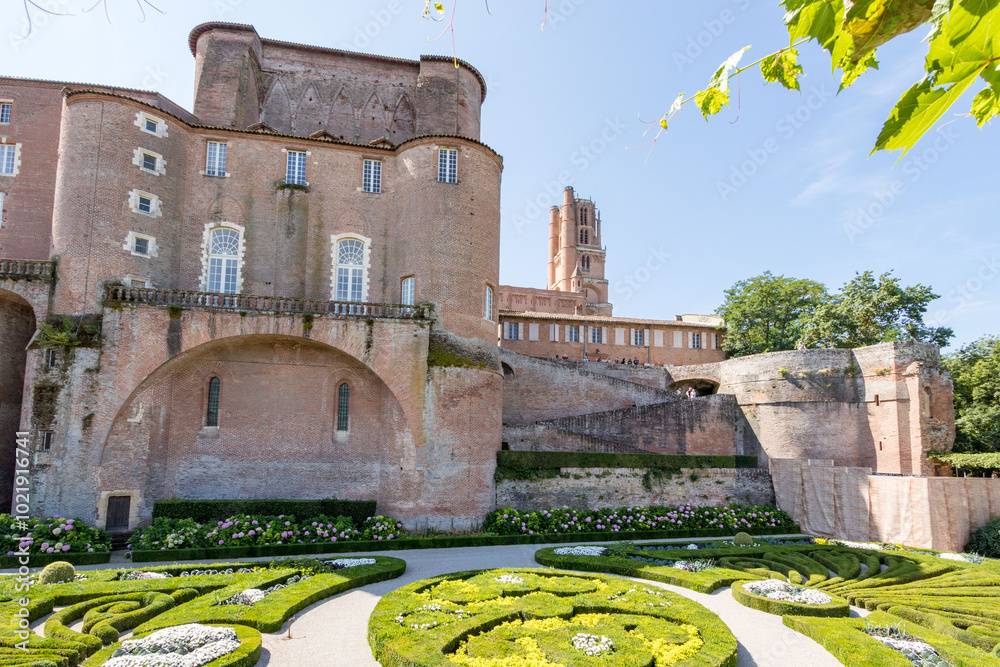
x: 250, y: 551
x: 215, y: 510
x: 40, y: 560
x: 838, y: 607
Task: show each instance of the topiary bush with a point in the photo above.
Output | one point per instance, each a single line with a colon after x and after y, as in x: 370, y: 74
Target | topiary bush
x: 57, y: 573
x: 743, y: 540
x: 986, y: 540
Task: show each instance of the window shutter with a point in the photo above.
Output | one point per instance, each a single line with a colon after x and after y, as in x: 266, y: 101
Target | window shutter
x: 554, y: 333
x: 645, y: 338
x: 604, y: 336
x: 533, y: 331
x: 678, y: 339
x: 567, y: 333
x: 619, y: 336
x: 520, y: 331
x: 658, y: 338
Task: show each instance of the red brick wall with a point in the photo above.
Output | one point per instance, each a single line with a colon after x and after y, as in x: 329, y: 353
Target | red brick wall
x: 17, y: 324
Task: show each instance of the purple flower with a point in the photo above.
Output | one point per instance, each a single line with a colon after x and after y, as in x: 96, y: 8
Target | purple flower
x: 288, y: 523
x: 222, y: 541
x: 65, y: 547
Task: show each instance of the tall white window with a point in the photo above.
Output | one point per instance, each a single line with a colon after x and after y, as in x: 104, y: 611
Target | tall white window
x: 371, y: 180
x: 8, y: 153
x: 409, y: 291
x: 572, y: 334
x: 488, y: 303
x: 295, y: 168
x: 215, y: 164
x: 350, y: 270
x: 2, y: 219
x: 448, y: 165
x: 696, y: 341
x: 512, y: 329
x: 6, y: 109
x: 223, y: 260
x: 596, y: 335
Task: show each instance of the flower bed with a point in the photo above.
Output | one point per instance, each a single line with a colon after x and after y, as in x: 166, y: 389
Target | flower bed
x: 190, y: 645
x: 777, y: 597
x: 510, y: 618
x: 731, y: 518
x: 145, y: 602
x: 51, y: 539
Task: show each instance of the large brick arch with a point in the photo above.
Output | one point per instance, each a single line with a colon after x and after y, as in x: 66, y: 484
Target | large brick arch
x: 17, y: 325
x: 277, y: 434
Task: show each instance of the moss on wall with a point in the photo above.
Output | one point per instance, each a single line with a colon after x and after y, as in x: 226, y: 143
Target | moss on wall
x: 445, y: 350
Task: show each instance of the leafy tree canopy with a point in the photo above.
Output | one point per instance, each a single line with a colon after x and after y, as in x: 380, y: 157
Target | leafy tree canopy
x: 868, y: 311
x: 963, y: 49
x: 763, y: 313
x: 975, y: 370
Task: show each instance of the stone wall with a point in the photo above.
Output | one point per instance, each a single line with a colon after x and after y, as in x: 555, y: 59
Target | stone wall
x: 587, y: 488
x: 704, y: 425
x: 546, y: 438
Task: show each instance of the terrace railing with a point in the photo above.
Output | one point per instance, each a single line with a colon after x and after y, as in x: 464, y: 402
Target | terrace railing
x: 27, y: 269
x: 261, y: 304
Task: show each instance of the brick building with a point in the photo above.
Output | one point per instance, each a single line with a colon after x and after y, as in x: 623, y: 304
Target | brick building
x: 572, y: 319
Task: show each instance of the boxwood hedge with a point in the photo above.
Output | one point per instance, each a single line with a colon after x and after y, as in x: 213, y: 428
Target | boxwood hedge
x: 836, y: 608
x: 246, y: 655
x: 204, y: 511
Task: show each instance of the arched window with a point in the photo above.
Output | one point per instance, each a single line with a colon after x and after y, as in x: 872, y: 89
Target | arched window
x: 584, y: 237
x: 586, y: 263
x: 343, y: 406
x: 350, y: 270
x: 212, y: 414
x: 223, y: 261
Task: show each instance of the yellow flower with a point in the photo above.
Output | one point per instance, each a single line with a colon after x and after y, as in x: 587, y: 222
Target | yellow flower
x: 670, y: 654
x: 533, y: 657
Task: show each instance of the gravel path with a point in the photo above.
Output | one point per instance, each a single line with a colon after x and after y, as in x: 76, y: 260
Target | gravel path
x: 333, y: 632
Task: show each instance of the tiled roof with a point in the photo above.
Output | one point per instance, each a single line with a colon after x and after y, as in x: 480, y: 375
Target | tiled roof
x: 602, y: 319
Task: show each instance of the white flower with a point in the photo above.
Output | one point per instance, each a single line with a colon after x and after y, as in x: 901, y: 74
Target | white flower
x: 691, y: 546
x: 580, y: 551
x: 779, y: 590
x: 350, y: 562
x: 189, y: 645
x: 592, y: 644
x: 508, y: 579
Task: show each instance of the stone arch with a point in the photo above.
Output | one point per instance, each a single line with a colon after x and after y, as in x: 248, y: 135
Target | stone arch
x: 276, y: 434
x: 373, y: 119
x: 508, y: 372
x: 277, y: 110
x: 351, y: 221
x: 342, y: 121
x: 17, y: 326
x: 403, y: 125
x: 704, y: 386
x: 226, y: 209
x: 310, y: 115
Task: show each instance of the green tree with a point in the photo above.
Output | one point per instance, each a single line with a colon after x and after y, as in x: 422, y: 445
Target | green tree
x: 963, y: 50
x: 763, y: 313
x: 868, y: 311
x: 975, y: 370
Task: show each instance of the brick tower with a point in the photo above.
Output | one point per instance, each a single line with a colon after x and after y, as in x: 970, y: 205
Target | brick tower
x: 576, y: 257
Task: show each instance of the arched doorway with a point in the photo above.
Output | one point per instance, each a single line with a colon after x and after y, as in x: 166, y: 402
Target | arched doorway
x: 17, y: 326
x: 702, y: 386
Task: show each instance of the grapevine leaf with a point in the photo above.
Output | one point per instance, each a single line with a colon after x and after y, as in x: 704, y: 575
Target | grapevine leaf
x: 712, y: 99
x: 965, y: 48
x: 985, y: 105
x: 783, y: 67
x: 852, y: 70
x: 939, y: 12
x: 815, y: 19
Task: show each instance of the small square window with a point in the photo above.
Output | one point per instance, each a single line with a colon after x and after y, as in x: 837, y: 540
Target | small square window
x: 141, y: 246
x: 447, y: 165
x: 145, y: 204
x: 151, y: 125
x: 6, y: 109
x: 46, y: 440
x: 52, y: 359
x: 372, y: 177
x: 135, y: 282
x: 148, y: 162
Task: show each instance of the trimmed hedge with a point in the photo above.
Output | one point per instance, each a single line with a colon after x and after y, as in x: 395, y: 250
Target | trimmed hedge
x: 41, y: 560
x: 246, y: 655
x: 474, y: 606
x: 204, y: 511
x: 270, y: 614
x: 526, y: 459
x: 846, y: 640
x: 836, y: 608
x: 441, y: 542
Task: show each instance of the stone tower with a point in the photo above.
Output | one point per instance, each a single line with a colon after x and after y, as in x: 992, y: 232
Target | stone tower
x: 576, y: 257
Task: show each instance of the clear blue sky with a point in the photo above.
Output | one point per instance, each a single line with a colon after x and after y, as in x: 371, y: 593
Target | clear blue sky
x: 584, y: 82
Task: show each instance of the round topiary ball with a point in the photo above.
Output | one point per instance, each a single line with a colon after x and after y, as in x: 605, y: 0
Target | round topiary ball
x: 743, y: 540
x: 57, y: 572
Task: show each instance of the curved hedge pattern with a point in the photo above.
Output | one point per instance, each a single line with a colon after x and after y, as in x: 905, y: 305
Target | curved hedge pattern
x: 510, y: 617
x: 109, y: 606
x: 836, y: 608
x: 246, y: 655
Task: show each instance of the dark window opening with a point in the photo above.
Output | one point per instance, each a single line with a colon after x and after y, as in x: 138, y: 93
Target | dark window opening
x: 53, y: 359
x: 343, y: 406
x: 118, y: 511
x: 212, y: 416
x: 46, y: 440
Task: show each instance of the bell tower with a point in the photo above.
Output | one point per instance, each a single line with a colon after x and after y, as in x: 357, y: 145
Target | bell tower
x: 576, y: 257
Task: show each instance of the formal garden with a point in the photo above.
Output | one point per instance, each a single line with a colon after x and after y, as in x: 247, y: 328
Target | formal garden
x: 585, y: 604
